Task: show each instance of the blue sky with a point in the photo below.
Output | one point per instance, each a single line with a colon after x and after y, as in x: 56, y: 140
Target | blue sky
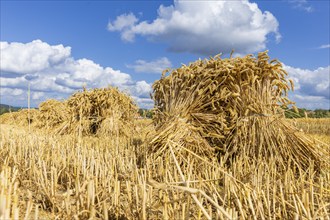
x: 59, y: 46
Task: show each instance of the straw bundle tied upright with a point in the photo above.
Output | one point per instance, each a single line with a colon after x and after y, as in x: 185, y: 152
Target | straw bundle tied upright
x: 104, y: 111
x: 52, y: 114
x: 20, y: 117
x: 231, y: 107
x: 101, y: 111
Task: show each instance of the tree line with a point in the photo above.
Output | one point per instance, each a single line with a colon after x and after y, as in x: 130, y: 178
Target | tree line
x: 305, y: 113
x: 148, y: 113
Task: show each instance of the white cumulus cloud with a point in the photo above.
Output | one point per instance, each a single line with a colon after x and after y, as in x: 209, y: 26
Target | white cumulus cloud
x: 144, y: 102
x: 203, y: 27
x: 311, y: 102
x: 154, y: 66
x: 37, y: 95
x: 9, y: 91
x: 52, y: 72
x: 124, y: 22
x: 312, y: 86
x: 9, y: 94
x: 31, y: 57
x: 143, y: 89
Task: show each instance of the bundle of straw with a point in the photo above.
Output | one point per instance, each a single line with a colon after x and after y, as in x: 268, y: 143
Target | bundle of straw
x: 52, y: 114
x: 23, y: 117
x: 101, y: 111
x: 231, y: 107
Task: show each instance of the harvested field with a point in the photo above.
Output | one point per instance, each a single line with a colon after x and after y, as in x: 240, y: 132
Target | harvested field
x: 65, y: 177
x: 216, y: 149
x: 313, y: 125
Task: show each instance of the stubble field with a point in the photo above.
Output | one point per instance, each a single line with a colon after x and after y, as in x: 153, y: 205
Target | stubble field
x: 45, y: 176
